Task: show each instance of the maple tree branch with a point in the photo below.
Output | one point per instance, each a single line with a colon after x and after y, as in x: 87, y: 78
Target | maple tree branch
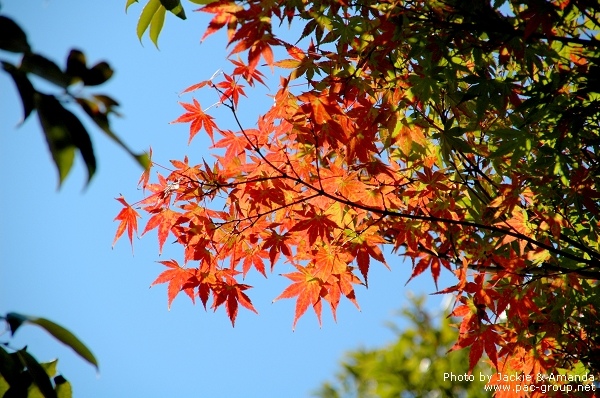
x: 478, y: 170
x: 466, y: 183
x: 430, y: 218
x: 317, y: 158
x: 498, y: 27
x: 255, y: 217
x: 562, y: 236
x: 580, y: 246
x: 388, y: 213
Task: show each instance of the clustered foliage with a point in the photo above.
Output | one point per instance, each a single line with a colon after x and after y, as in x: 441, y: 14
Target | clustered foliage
x: 64, y: 132
x: 416, y: 364
x: 22, y: 376
x: 465, y: 135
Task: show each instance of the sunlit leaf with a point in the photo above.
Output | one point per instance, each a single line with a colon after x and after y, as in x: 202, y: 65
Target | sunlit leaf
x: 130, y: 2
x: 63, y: 387
x: 128, y: 217
x: 156, y: 24
x: 147, y: 16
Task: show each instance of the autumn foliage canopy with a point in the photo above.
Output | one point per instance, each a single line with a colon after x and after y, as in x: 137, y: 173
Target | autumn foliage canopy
x: 464, y: 135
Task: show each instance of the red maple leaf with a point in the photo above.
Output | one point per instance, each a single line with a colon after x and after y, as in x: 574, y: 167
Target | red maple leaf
x: 255, y: 258
x: 241, y: 69
x: 128, y: 217
x: 231, y: 294
x: 145, y: 177
x: 225, y: 15
x: 164, y: 220
x: 230, y: 89
x: 196, y: 116
x: 196, y: 86
x: 316, y: 224
x: 177, y: 277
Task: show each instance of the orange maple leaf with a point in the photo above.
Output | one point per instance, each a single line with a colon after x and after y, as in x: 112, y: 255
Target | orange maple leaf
x: 309, y: 290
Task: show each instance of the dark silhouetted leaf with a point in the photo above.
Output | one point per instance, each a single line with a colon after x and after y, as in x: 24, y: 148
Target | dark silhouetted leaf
x: 78, y: 70
x: 37, y: 372
x: 12, y: 37
x: 98, y: 74
x: 24, y: 86
x: 107, y: 101
x: 14, y: 321
x: 44, y: 68
x: 9, y: 369
x: 175, y: 7
x: 76, y: 64
x: 100, y: 117
x: 64, y: 132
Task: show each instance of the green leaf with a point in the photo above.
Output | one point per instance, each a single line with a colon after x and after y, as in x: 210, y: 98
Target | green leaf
x: 44, y: 68
x: 63, y: 387
x: 129, y: 2
x: 64, y: 132
x: 144, y: 160
x: 146, y: 17
x: 38, y: 374
x: 157, y: 24
x: 202, y: 2
x: 67, y: 338
x: 60, y: 333
x: 4, y: 386
x: 175, y: 7
x: 12, y: 37
x: 50, y: 369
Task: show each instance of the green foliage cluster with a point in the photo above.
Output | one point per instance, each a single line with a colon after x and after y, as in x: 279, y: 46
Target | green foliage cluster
x: 412, y: 366
x: 64, y: 132
x: 22, y: 376
x: 154, y: 13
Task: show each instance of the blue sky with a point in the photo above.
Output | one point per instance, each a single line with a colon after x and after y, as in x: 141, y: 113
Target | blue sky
x: 56, y: 259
